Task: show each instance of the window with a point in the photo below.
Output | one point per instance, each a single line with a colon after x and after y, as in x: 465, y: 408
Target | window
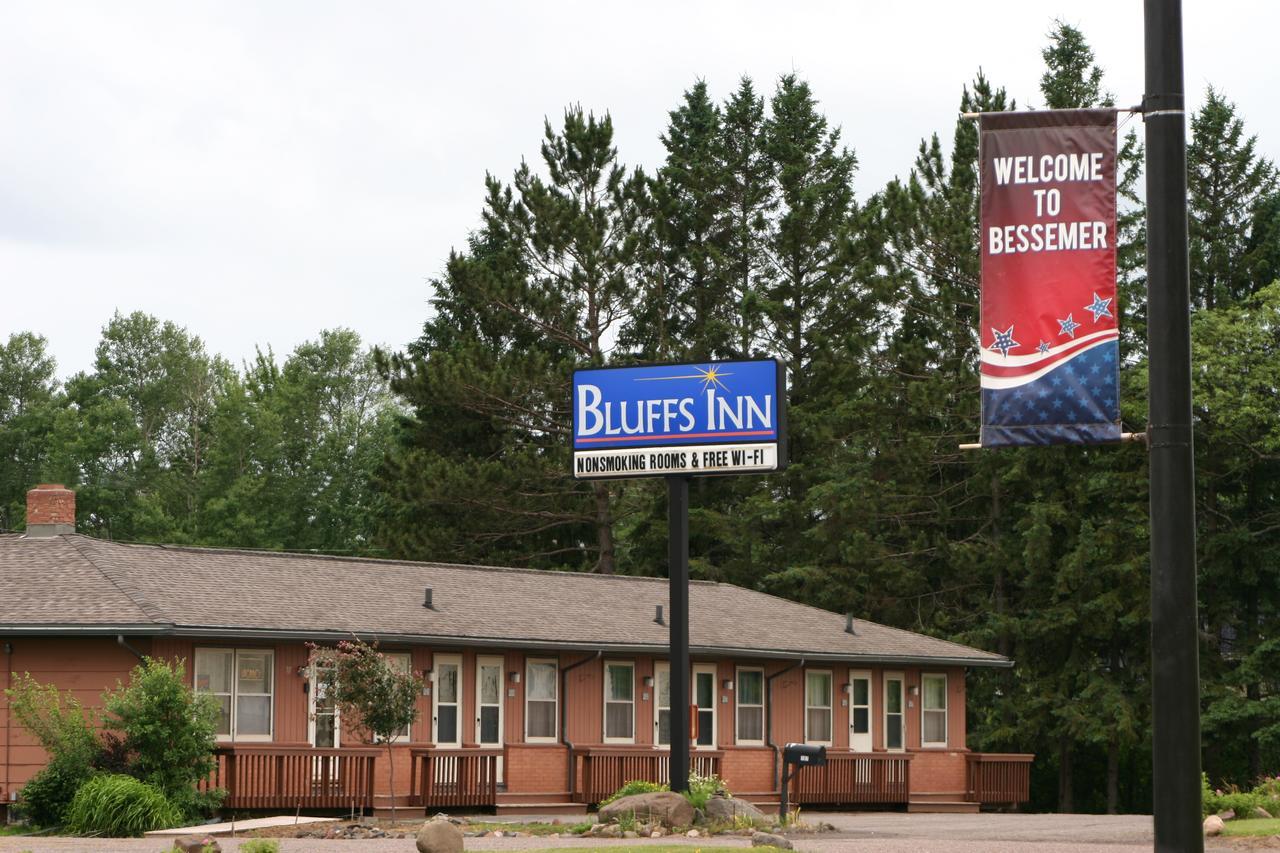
x: 540, y: 700
x: 893, y: 710
x: 817, y: 707
x: 619, y: 702
x: 242, y: 681
x: 933, y: 710
x: 750, y: 706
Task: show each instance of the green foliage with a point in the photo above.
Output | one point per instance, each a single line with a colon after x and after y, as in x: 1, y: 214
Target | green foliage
x: 703, y: 788
x: 64, y: 728
x: 635, y: 786
x: 260, y: 845
x: 1264, y: 795
x: 372, y: 694
x: 168, y: 733
x: 119, y: 807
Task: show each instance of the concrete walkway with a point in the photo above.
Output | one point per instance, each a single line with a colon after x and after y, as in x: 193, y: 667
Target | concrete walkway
x: 242, y: 826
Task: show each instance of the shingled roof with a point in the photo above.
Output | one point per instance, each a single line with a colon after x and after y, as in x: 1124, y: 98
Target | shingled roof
x: 72, y: 584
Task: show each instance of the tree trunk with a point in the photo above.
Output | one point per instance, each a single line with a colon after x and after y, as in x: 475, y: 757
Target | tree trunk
x: 604, y: 529
x: 391, y: 775
x: 1065, y: 804
x: 1113, y: 775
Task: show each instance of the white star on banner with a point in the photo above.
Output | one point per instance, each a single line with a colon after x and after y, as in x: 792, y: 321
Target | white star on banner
x: 1099, y: 307
x: 1068, y: 327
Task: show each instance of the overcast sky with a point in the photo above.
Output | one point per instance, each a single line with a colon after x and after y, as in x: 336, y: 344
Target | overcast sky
x: 257, y: 172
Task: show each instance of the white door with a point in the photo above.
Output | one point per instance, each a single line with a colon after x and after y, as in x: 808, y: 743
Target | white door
x: 895, y: 729
x: 324, y: 726
x: 861, y: 712
x: 662, y: 704
x: 704, y: 696
x: 489, y: 705
x: 447, y: 701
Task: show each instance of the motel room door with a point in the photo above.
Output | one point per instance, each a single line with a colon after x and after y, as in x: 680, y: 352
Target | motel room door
x: 861, y: 712
x: 703, y: 693
x: 446, y: 712
x: 324, y: 723
x: 489, y: 705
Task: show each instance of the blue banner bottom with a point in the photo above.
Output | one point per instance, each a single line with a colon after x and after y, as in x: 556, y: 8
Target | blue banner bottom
x: 1077, y: 402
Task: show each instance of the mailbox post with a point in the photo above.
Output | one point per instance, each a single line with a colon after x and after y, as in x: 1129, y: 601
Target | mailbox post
x: 794, y: 757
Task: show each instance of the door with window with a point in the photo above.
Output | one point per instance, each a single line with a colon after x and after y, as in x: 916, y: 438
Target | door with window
x: 894, y: 718
x: 860, y: 710
x: 489, y: 705
x: 447, y: 702
x: 704, y: 697
x: 703, y: 692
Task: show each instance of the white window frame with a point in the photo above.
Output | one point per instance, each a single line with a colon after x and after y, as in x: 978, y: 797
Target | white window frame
x: 830, y: 707
x: 483, y: 661
x: 554, y: 700
x: 235, y: 736
x: 943, y: 710
x: 604, y: 722
x: 660, y: 669
x: 902, y: 705
x: 738, y: 706
x: 870, y: 735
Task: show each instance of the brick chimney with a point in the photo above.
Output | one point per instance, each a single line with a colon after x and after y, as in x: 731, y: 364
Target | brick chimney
x: 51, y: 510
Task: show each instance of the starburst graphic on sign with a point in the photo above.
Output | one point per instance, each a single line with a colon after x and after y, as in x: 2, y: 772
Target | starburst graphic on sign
x: 1004, y: 340
x: 1068, y: 327
x: 710, y: 377
x: 1099, y: 307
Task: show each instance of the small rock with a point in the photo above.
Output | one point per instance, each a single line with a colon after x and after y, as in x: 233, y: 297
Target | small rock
x: 1259, y: 813
x: 693, y: 833
x: 645, y: 831
x: 1229, y: 814
x: 1212, y: 825
x: 768, y: 839
x: 658, y: 832
x: 630, y: 834
x: 194, y: 844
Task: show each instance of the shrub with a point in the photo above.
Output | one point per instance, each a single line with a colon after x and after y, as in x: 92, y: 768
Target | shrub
x: 703, y: 788
x: 168, y: 733
x: 119, y: 807
x: 635, y: 786
x: 66, y: 731
x: 260, y: 845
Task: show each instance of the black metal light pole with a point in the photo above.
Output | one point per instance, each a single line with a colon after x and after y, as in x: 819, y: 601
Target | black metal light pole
x: 678, y: 574
x: 1174, y: 651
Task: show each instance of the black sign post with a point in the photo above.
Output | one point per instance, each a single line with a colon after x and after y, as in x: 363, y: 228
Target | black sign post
x: 1175, y: 686
x: 678, y: 569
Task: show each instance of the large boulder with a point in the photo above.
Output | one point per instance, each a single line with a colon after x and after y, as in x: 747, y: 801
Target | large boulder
x: 665, y: 807
x: 439, y: 836
x: 727, y: 810
x: 1213, y: 825
x: 1259, y: 813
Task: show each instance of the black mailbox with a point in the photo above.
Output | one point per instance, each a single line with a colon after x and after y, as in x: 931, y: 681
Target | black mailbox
x: 805, y: 755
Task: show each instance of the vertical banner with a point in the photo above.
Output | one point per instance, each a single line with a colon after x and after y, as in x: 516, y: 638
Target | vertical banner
x: 1050, y: 360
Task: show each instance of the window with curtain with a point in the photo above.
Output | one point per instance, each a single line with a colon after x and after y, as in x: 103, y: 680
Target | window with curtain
x: 817, y: 707
x: 750, y: 706
x: 242, y: 680
x: 933, y: 710
x: 619, y: 701
x: 540, y: 700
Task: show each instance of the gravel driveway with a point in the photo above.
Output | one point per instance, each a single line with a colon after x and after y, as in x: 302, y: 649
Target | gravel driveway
x: 859, y: 832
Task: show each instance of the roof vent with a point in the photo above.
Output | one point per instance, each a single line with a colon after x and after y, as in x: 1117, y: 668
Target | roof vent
x: 848, y: 624
x: 426, y: 600
x: 657, y: 616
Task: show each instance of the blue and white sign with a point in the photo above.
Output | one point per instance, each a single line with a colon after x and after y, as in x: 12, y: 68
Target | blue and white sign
x: 705, y: 418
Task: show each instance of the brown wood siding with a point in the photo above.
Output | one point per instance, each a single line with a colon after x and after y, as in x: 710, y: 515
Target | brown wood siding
x: 585, y: 695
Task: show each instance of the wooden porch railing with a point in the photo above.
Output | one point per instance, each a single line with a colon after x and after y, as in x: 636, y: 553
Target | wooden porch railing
x: 603, y: 770
x: 454, y: 777
x: 998, y: 778
x: 276, y: 777
x: 855, y: 777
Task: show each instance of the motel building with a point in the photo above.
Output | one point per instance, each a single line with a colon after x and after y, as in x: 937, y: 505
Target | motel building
x: 543, y: 692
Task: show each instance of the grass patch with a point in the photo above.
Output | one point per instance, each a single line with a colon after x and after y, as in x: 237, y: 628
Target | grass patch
x: 16, y: 829
x: 1251, y: 827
